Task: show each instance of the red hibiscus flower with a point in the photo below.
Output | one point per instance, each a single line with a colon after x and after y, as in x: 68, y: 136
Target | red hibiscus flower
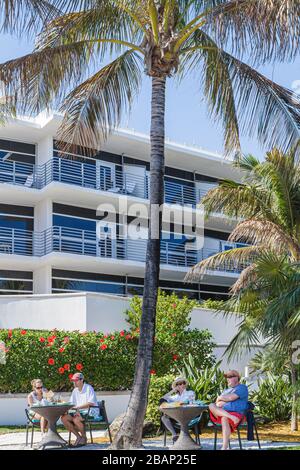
x: 67, y: 366
x: 127, y: 337
x: 66, y: 340
x: 70, y: 376
x: 61, y: 370
x: 174, y: 334
x: 23, y: 332
x: 103, y: 347
x: 51, y: 361
x: 153, y: 372
x: 175, y: 357
x: 102, y: 340
x: 42, y: 340
x: 112, y: 338
x: 79, y: 367
x: 122, y: 333
x: 61, y: 350
x: 174, y: 305
x: 9, y: 333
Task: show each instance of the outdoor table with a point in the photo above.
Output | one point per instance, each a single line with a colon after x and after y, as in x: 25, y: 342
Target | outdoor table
x: 183, y: 415
x: 52, y: 414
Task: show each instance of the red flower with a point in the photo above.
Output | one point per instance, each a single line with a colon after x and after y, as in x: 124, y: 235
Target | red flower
x: 79, y: 366
x: 42, y: 340
x: 66, y: 340
x: 175, y: 357
x: 9, y: 333
x: 128, y: 337
x: 67, y: 366
x: 112, y: 338
x: 174, y: 334
x: 70, y: 376
x: 103, y: 347
x: 105, y: 336
x: 61, y: 350
x: 61, y: 370
x: 174, y: 305
x: 51, y: 361
x: 122, y: 333
x: 102, y: 340
x: 152, y: 371
x: 23, y: 332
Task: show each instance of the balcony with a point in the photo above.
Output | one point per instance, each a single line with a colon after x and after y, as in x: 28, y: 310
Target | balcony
x: 84, y: 242
x: 99, y: 176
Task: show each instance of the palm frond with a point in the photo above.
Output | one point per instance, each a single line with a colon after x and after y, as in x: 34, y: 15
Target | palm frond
x: 247, y: 277
x: 234, y: 259
x: 258, y: 231
x: 25, y: 16
x: 264, y: 29
x: 93, y: 108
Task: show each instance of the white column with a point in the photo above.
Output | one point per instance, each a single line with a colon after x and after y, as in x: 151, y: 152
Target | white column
x: 42, y: 277
x: 42, y: 280
x: 44, y: 150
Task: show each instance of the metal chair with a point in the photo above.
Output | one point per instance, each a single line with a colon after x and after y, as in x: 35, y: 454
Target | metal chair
x: 243, y: 424
x: 90, y: 420
x: 30, y: 424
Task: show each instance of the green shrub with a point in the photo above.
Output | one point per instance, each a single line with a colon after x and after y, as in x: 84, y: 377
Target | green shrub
x: 173, y: 338
x: 207, y: 382
x: 31, y: 355
x: 159, y: 386
x: 212, y: 304
x: 273, y: 398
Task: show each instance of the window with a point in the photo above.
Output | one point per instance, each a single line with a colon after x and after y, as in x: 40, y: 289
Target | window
x: 15, y: 282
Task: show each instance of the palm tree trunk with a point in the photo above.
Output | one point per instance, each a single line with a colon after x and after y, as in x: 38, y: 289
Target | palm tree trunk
x: 294, y: 418
x: 130, y: 434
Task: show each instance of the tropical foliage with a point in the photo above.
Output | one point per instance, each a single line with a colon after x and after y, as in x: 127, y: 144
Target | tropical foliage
x: 273, y: 398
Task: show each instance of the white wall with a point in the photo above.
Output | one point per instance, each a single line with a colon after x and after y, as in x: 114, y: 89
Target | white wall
x: 12, y: 407
x: 106, y: 314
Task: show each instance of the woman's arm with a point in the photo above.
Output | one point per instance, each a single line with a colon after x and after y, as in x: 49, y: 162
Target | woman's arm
x: 30, y: 399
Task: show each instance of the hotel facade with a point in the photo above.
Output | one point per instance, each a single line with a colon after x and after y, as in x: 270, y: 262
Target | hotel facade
x: 52, y: 238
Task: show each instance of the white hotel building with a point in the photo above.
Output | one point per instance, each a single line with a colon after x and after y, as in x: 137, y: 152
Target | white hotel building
x: 55, y: 268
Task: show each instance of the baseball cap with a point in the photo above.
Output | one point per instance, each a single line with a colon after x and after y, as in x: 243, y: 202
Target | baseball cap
x: 77, y: 376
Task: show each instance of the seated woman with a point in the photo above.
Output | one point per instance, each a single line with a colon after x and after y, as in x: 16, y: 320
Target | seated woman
x: 37, y: 397
x: 179, y: 393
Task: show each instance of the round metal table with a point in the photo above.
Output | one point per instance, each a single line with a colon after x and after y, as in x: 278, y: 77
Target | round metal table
x: 183, y: 415
x: 52, y: 413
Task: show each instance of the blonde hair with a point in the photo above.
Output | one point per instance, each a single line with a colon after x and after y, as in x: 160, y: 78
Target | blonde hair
x: 34, y: 382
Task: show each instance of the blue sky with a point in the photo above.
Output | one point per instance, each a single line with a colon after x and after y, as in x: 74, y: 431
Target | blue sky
x: 187, y: 120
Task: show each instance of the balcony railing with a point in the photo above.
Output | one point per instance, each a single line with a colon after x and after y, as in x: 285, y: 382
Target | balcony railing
x: 85, y: 242
x: 112, y: 179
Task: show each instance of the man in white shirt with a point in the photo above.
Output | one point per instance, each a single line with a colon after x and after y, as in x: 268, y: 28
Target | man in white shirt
x: 179, y: 393
x: 83, y: 396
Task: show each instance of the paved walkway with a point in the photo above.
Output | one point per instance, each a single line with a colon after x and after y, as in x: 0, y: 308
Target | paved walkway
x: 16, y: 441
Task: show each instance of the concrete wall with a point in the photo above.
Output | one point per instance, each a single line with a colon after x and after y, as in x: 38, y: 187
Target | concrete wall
x: 12, y: 407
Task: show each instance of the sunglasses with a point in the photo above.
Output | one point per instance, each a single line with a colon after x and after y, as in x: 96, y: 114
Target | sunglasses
x: 230, y: 376
x: 38, y: 388
x: 181, y: 383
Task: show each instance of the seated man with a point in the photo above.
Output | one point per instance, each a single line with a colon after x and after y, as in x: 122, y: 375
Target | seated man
x: 82, y: 397
x: 178, y: 393
x: 230, y: 406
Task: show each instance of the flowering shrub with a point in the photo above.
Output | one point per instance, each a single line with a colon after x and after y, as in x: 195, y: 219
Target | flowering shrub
x: 106, y: 360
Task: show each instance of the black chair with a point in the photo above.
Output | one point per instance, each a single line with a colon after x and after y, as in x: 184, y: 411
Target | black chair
x: 31, y: 423
x: 90, y: 420
x: 249, y: 415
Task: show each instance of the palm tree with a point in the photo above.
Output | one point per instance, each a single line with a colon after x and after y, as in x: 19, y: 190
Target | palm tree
x: 92, y: 58
x: 266, y: 204
x: 269, y: 308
